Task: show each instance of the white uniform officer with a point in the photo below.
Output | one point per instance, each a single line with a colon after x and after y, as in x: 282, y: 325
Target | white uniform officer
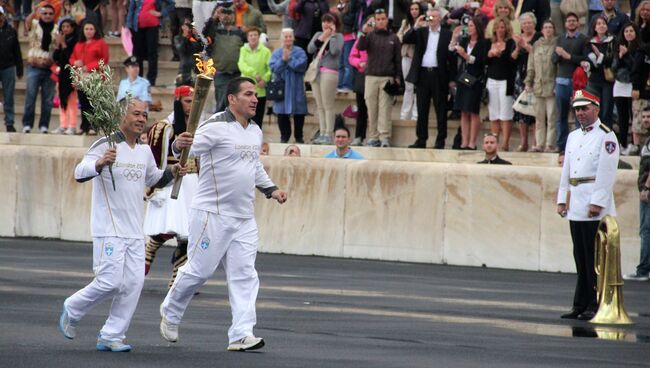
x: 222, y: 221
x: 116, y: 223
x: 587, y: 184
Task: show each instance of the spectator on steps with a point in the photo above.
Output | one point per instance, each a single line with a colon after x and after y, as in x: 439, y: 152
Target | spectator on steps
x: 254, y: 63
x: 66, y: 40
x: 11, y: 65
x: 42, y: 37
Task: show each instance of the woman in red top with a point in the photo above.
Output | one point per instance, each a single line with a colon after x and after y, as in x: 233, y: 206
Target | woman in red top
x: 87, y: 53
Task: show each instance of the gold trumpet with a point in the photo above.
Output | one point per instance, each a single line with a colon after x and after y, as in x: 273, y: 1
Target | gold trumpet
x: 201, y: 89
x: 608, y: 269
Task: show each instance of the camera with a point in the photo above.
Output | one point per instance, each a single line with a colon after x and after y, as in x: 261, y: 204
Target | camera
x: 371, y: 24
x: 428, y: 18
x: 464, y: 20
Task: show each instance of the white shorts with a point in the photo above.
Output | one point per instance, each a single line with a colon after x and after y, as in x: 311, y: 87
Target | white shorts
x: 500, y: 105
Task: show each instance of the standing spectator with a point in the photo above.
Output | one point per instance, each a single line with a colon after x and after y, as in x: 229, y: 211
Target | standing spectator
x: 503, y: 9
x: 589, y: 173
x: 557, y: 17
x: 472, y: 51
x: 117, y: 9
x: 93, y: 12
x: 308, y: 23
x: 567, y: 56
x: 643, y: 183
x: 22, y: 8
x: 501, y: 79
x: 133, y: 84
x: 289, y: 63
x: 595, y: 8
x: 324, y: 86
x: 181, y: 14
x: 541, y: 9
x: 359, y: 60
x: 643, y: 20
x: 616, y: 19
x: 42, y: 33
x: 254, y: 63
x: 523, y: 47
x: 490, y: 147
x: 640, y: 97
x: 600, y: 54
x: 88, y: 52
x: 225, y: 40
x: 626, y: 47
x: 66, y: 40
x: 384, y: 66
x: 409, y: 109
x: 11, y: 65
x: 364, y: 9
x: 189, y: 43
x: 345, y: 70
x: 143, y: 19
x: 433, y: 64
x: 246, y: 16
x: 342, y: 142
x: 540, y: 79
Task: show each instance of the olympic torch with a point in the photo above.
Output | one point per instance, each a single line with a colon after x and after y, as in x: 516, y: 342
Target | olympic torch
x: 201, y: 89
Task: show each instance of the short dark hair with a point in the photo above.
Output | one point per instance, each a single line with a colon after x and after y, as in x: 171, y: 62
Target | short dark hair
x: 342, y: 128
x: 647, y: 108
x: 572, y: 14
x: 331, y: 18
x: 234, y: 86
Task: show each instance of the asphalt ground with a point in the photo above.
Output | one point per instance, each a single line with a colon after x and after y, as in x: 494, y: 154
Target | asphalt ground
x: 320, y: 312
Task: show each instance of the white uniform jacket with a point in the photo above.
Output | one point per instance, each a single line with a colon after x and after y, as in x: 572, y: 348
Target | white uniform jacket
x: 120, y: 212
x: 229, y: 158
x: 591, y: 153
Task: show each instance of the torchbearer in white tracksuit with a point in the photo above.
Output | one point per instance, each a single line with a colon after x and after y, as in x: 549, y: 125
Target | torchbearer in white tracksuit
x: 222, y: 222
x: 116, y: 227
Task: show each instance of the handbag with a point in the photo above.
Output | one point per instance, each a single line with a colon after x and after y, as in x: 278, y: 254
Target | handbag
x: 609, y: 74
x: 525, y: 103
x: 467, y: 79
x: 312, y: 71
x: 275, y: 89
x: 394, y: 89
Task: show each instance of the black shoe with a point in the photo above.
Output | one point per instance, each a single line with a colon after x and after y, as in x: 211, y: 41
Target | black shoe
x: 11, y: 129
x: 176, y: 58
x: 439, y: 145
x: 573, y: 314
x: 587, y: 315
x: 418, y: 144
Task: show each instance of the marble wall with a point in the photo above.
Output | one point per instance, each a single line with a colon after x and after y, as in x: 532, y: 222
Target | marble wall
x: 453, y: 213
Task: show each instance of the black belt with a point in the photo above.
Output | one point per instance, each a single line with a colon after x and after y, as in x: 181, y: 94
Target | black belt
x: 577, y: 181
x: 429, y: 68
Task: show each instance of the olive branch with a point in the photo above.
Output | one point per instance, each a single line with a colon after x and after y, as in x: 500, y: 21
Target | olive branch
x: 106, y: 113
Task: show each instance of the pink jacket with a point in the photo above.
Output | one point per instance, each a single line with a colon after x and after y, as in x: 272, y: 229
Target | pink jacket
x: 357, y: 57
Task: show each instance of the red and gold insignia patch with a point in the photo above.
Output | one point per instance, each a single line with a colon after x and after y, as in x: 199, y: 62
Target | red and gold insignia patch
x: 610, y: 147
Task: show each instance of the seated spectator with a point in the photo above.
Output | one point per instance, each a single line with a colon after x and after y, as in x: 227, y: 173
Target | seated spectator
x: 342, y: 141
x: 292, y: 151
x: 490, y: 144
x: 137, y: 86
x: 246, y: 16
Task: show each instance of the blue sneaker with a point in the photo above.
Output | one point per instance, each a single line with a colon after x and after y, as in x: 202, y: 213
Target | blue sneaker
x: 114, y: 346
x: 67, y: 325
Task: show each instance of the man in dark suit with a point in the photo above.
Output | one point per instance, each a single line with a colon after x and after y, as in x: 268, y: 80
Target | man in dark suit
x: 432, y: 70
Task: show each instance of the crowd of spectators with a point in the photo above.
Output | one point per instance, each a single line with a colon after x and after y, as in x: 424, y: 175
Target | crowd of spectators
x: 453, y: 54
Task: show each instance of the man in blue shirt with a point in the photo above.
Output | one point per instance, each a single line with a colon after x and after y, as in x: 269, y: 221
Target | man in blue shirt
x: 342, y: 142
x: 134, y: 84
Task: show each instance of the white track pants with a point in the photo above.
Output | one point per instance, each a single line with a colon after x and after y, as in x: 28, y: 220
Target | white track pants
x: 214, y: 239
x: 118, y: 264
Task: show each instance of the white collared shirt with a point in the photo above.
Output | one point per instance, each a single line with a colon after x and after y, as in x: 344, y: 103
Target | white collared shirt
x: 430, y: 57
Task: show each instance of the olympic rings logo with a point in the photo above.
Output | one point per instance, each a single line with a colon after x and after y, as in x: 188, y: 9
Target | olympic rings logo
x: 249, y: 156
x: 132, y: 174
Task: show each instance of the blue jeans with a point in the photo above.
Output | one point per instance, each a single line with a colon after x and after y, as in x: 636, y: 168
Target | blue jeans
x: 8, y: 81
x: 644, y: 263
x: 563, y: 102
x: 38, y: 78
x: 345, y: 70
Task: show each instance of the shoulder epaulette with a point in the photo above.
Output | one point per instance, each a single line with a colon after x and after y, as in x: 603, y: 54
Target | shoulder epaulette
x: 605, y: 128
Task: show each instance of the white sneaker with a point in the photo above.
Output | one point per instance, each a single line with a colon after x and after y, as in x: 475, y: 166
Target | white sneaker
x: 27, y: 129
x: 385, y: 142
x: 168, y: 330
x: 247, y: 343
x: 58, y: 130
x: 43, y: 130
x: 631, y: 150
x: 67, y: 325
x: 356, y: 142
x: 635, y: 277
x: 114, y: 346
x: 70, y: 131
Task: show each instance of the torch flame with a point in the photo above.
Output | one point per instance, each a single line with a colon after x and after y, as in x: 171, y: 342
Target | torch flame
x: 205, y: 65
